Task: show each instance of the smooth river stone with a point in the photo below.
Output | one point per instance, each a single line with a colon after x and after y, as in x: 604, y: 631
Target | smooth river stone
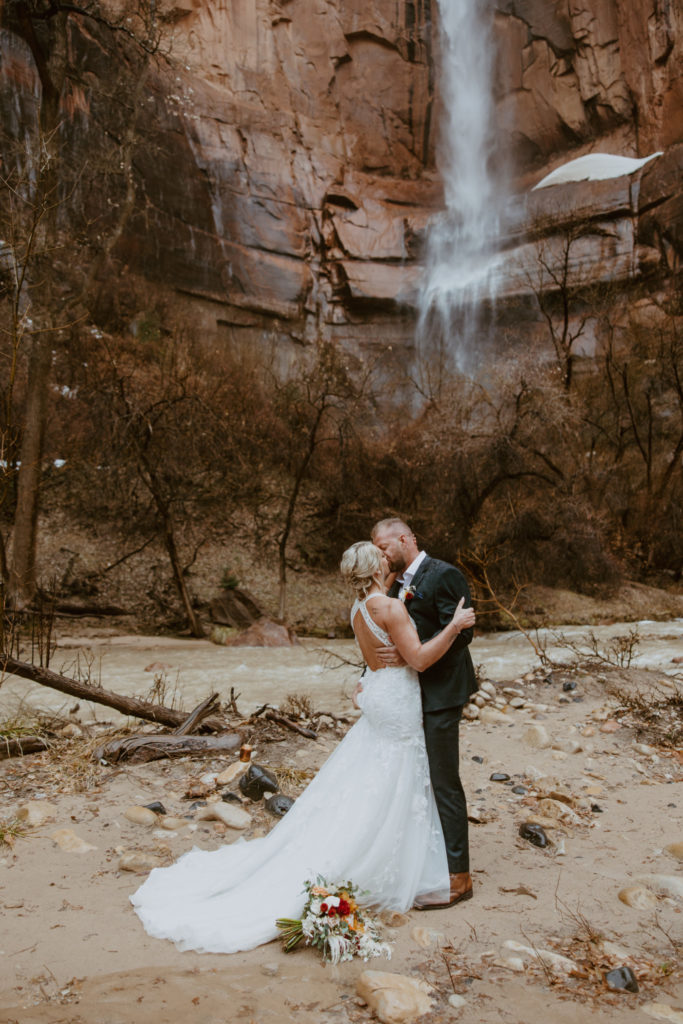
x: 231, y: 773
x: 536, y: 737
x: 66, y: 839
x: 490, y: 716
x: 170, y: 823
x: 638, y: 897
x: 395, y: 998
x: 140, y: 815
x: 36, y: 812
x: 554, y: 961
x: 137, y: 861
x: 233, y: 817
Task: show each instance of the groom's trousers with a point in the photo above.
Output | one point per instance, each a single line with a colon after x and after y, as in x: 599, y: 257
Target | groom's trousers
x: 442, y: 737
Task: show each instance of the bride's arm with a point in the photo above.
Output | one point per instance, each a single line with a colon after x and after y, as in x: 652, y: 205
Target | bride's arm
x: 418, y: 655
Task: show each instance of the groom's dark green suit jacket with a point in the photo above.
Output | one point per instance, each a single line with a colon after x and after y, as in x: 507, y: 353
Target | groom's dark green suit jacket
x: 437, y: 588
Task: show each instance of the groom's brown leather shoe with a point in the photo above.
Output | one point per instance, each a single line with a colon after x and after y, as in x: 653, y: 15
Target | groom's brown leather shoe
x: 460, y: 890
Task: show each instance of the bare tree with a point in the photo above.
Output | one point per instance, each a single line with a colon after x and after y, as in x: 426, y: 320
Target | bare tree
x: 319, y: 402
x: 40, y: 207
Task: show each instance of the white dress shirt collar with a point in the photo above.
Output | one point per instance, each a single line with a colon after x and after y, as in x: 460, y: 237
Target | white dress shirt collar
x: 408, y: 573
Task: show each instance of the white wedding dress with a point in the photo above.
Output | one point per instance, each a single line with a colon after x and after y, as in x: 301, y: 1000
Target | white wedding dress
x: 368, y: 817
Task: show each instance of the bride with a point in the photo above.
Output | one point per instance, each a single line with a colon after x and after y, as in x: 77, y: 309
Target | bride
x: 368, y: 816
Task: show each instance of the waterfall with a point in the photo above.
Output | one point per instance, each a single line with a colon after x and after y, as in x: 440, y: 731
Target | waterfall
x: 460, y: 252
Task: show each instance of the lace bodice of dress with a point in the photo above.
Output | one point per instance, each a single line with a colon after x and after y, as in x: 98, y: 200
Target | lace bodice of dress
x: 376, y: 630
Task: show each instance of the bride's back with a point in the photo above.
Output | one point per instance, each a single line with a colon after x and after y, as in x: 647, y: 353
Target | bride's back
x: 367, y: 621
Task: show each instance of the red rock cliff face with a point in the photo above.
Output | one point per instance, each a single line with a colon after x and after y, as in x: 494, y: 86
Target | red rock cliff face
x: 286, y: 169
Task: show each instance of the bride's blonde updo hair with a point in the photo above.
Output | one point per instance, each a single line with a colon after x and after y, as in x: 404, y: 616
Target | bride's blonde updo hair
x: 359, y: 566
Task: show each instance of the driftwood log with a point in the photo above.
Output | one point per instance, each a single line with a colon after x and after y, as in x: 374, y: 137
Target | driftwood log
x: 20, y: 745
x: 139, y: 749
x: 126, y: 705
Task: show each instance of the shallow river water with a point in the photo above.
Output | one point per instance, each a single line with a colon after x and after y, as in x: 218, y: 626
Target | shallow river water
x: 191, y: 669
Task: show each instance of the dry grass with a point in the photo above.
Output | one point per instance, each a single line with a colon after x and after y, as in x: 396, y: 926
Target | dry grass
x: 10, y: 831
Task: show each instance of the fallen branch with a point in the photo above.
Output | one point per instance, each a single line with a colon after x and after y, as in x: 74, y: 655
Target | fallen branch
x: 126, y: 705
x: 337, y: 719
x: 20, y: 745
x: 139, y: 749
x: 273, y: 716
x: 200, y: 713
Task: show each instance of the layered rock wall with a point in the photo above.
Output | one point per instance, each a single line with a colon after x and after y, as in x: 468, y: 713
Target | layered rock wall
x: 285, y: 166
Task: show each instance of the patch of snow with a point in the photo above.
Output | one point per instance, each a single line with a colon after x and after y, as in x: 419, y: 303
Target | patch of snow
x: 594, y: 167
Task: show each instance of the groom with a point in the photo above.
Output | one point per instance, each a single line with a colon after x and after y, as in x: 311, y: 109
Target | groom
x: 431, y: 590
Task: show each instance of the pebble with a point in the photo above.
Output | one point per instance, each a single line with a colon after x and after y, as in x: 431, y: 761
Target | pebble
x: 511, y: 691
x: 499, y: 777
x: 170, y: 823
x: 156, y: 806
x: 66, y: 839
x: 471, y: 712
x: 456, y: 1001
x: 36, y: 812
x: 568, y: 746
x: 395, y: 998
x: 638, y: 897
x: 488, y: 687
x: 517, y: 702
x: 426, y: 937
x: 70, y: 731
x: 140, y: 815
x: 621, y: 979
x: 233, y: 817
x: 278, y: 804
x: 588, y: 730
x: 611, y: 725
x: 675, y: 849
x: 137, y: 861
x: 558, y: 811
x: 515, y: 963
x: 554, y: 961
x: 231, y: 773
x: 258, y: 781
x: 534, y: 834
x: 491, y: 716
x: 536, y: 737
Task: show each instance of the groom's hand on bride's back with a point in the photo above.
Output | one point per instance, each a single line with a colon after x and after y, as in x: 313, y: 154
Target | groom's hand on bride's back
x: 390, y: 656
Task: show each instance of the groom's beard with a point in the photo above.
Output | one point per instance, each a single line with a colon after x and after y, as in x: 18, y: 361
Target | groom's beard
x: 398, y: 566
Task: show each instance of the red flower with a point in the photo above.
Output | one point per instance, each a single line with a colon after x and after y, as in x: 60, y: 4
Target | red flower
x: 409, y: 595
x: 323, y: 907
x: 332, y: 912
x: 343, y: 907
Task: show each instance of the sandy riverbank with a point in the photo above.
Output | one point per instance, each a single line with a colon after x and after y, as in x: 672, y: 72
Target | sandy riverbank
x: 73, y: 951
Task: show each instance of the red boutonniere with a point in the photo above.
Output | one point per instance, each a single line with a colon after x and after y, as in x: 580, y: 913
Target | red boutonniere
x: 409, y: 593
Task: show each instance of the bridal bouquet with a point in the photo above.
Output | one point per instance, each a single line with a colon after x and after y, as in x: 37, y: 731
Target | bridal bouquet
x: 333, y: 922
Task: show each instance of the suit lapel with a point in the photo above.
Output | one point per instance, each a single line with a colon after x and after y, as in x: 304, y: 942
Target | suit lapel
x: 421, y: 571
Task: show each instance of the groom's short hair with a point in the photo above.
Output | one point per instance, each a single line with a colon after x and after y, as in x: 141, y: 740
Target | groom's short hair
x: 393, y: 523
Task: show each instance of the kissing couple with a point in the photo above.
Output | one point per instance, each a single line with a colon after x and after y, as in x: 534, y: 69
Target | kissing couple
x: 387, y: 809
